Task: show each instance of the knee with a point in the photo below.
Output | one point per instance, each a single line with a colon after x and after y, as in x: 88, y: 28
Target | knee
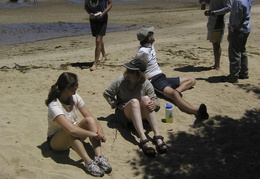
x: 98, y: 41
x: 192, y: 81
x: 145, y: 100
x: 172, y: 94
x: 135, y: 103
x: 216, y: 45
x: 89, y: 121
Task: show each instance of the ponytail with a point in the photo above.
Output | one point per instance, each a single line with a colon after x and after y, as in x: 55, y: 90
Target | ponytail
x: 65, y: 80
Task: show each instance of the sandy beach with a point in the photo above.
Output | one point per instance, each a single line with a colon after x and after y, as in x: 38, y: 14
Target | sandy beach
x: 226, y: 145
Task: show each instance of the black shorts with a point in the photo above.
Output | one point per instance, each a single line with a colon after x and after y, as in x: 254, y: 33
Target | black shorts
x: 160, y: 81
x: 121, y: 118
x: 49, y: 141
x: 98, y: 27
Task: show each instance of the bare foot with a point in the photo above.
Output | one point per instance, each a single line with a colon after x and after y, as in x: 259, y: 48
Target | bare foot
x: 104, y: 59
x: 216, y: 67
x: 94, y: 67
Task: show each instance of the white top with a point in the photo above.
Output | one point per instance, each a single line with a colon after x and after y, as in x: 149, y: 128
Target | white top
x: 147, y: 53
x: 57, y: 108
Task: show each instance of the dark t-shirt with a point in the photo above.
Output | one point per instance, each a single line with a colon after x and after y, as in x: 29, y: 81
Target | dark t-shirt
x: 95, y: 6
x: 220, y: 22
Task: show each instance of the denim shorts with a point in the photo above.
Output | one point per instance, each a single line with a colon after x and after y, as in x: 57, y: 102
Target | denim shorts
x: 160, y: 81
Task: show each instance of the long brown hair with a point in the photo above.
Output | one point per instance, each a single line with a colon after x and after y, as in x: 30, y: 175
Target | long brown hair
x: 65, y: 80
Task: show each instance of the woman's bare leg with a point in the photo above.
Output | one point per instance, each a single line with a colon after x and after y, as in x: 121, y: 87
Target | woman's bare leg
x: 62, y: 141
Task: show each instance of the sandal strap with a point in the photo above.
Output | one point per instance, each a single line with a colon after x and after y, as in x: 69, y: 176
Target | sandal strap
x: 157, y: 137
x: 148, y: 150
x: 162, y: 144
x: 144, y: 142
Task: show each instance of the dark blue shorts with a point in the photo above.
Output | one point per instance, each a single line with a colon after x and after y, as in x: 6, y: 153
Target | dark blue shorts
x: 160, y: 81
x: 98, y: 27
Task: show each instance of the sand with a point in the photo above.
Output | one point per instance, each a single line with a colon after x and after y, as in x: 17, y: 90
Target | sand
x: 225, y: 146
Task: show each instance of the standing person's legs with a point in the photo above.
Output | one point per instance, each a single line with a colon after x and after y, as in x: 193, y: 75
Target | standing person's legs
x: 244, y: 60
x: 103, y: 51
x: 234, y: 52
x: 99, y: 44
x: 217, y: 54
x: 217, y: 36
x: 98, y: 29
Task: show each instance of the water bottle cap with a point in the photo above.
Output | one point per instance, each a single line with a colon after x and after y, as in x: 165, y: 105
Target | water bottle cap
x: 168, y: 106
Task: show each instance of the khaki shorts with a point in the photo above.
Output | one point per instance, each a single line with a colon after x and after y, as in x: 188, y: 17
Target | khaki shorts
x: 217, y: 36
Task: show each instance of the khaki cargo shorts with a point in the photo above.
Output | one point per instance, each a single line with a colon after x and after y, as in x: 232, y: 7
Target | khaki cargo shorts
x: 217, y: 36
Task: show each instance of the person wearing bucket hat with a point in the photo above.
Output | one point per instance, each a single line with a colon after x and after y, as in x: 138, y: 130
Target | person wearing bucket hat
x: 134, y: 100
x: 136, y: 64
x: 165, y: 87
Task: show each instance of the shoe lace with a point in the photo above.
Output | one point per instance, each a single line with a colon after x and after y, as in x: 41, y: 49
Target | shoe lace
x: 94, y: 168
x: 102, y: 160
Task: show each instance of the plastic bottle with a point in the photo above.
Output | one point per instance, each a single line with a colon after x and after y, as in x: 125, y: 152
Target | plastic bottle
x: 168, y: 113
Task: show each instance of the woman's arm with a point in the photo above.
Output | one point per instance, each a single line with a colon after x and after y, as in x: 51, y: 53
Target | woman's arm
x: 109, y: 6
x: 72, y: 129
x: 224, y: 10
x: 150, y: 92
x: 86, y: 114
x: 111, y: 92
x: 86, y: 6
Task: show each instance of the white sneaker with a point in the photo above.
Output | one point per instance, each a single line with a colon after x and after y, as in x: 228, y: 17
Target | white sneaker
x: 93, y: 169
x: 102, y: 163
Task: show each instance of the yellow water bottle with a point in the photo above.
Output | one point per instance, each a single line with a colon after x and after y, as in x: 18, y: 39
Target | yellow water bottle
x: 169, y: 113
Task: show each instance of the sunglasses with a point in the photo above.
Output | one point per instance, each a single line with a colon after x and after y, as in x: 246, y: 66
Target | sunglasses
x: 76, y: 85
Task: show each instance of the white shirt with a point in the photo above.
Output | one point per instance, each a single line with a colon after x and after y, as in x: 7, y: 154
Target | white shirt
x: 57, y: 108
x: 147, y: 53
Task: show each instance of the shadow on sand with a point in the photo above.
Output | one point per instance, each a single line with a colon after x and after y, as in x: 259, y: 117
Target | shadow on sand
x: 221, y: 147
